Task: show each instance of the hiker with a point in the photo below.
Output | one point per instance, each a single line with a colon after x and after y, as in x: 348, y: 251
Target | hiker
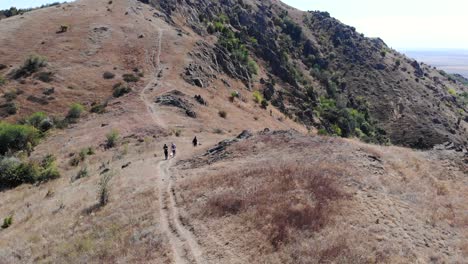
x: 173, y: 149
x: 166, y: 153
x: 195, y: 142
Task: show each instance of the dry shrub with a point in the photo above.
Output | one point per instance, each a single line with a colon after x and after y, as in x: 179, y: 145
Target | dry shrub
x: 286, y: 198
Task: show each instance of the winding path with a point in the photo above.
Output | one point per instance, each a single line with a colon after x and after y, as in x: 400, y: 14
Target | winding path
x: 184, y: 244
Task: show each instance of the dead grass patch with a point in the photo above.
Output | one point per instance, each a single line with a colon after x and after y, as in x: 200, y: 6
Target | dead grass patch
x: 279, y: 200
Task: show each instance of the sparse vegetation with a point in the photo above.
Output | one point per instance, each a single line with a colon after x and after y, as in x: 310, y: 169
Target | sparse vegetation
x: 31, y: 65
x: 2, y: 80
x: 112, y: 138
x: 82, y: 173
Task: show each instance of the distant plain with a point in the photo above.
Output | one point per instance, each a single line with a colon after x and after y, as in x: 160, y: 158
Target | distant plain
x: 451, y: 61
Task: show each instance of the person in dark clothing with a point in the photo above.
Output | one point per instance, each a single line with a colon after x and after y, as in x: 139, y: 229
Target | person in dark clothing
x: 166, y: 151
x: 195, y: 142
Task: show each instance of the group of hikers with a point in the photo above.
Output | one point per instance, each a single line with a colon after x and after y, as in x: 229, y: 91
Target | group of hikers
x: 174, y: 147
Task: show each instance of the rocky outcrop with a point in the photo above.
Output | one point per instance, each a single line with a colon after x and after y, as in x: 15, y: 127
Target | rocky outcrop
x: 174, y: 99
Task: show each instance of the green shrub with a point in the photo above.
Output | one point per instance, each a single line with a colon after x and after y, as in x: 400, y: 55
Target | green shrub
x: 17, y: 137
x: 75, y: 111
x: 2, y: 80
x: 252, y: 66
x: 14, y: 172
x: 452, y: 91
x: 257, y: 97
x: 7, y: 222
x: 120, y: 90
x: 31, y: 65
x: 36, y: 119
x: 128, y: 77
x: 222, y: 114
x: 112, y: 138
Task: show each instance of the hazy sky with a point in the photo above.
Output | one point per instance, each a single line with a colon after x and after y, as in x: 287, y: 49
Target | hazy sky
x: 4, y: 4
x: 402, y: 24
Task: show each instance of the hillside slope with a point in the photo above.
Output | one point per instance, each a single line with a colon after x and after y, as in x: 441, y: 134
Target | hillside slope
x: 312, y: 61
x: 279, y: 195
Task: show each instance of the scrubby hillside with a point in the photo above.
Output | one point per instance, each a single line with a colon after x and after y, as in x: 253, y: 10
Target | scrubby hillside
x: 92, y: 90
x: 326, y: 74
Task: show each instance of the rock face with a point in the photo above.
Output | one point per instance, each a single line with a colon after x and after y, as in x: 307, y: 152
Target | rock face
x: 311, y: 57
x: 174, y: 99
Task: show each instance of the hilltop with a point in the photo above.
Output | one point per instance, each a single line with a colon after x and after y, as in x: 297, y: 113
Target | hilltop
x: 269, y: 91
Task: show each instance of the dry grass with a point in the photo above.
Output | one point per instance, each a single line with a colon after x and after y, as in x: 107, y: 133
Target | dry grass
x: 283, y: 201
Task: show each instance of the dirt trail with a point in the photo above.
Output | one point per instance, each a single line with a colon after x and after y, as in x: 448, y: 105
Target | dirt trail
x: 184, y: 245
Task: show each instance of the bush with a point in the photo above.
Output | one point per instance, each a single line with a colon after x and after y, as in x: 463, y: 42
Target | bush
x: 452, y: 91
x: 17, y: 137
x: 75, y: 111
x: 112, y: 138
x: 104, y: 189
x: 130, y: 78
x: 7, y: 222
x: 257, y: 97
x: 2, y: 80
x: 108, y: 75
x: 120, y: 90
x: 36, y: 119
x: 14, y: 172
x: 222, y: 114
x: 31, y: 65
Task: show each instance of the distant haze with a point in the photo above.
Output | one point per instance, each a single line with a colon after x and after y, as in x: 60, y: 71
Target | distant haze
x: 451, y: 61
x: 402, y: 24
